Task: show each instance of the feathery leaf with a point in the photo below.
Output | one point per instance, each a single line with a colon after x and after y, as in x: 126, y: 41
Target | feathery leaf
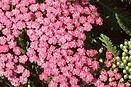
x: 108, y: 44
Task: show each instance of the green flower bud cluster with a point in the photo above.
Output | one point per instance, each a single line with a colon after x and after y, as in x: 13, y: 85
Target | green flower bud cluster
x: 124, y: 62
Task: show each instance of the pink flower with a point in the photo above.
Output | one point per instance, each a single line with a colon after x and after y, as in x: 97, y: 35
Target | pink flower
x: 5, y: 6
x: 114, y: 84
x: 98, y: 83
x: 82, y: 19
x: 91, y: 19
x: 26, y: 73
x: 20, y: 25
x: 64, y: 84
x: 1, y: 72
x: 118, y: 76
x: 103, y: 78
x: 35, y: 25
x: 76, y: 71
x: 93, y: 8
x: 99, y: 21
x: 34, y: 45
x: 109, y: 55
x: 62, y: 78
x: 95, y: 65
x: 42, y: 7
x: 121, y: 85
x: 56, y: 41
x: 91, y: 53
x: 8, y: 73
x: 17, y: 50
x: 4, y: 48
x: 104, y: 72
x: 111, y: 73
x: 23, y: 9
x: 53, y: 84
x: 33, y: 58
x: 20, y: 69
x: 15, y: 82
x: 89, y: 61
x: 89, y: 77
x: 23, y: 80
x: 23, y: 59
x: 108, y: 63
x: 16, y: 33
x: 34, y: 7
x: 12, y: 44
x: 73, y: 81
x: 127, y: 84
x: 2, y: 40
x: 43, y: 77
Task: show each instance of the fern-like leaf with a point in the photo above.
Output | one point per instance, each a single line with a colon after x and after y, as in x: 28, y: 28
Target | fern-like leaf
x: 108, y: 9
x: 108, y: 44
x: 123, y: 25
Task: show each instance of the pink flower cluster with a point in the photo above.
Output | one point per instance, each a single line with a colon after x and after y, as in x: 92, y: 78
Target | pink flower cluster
x: 56, y: 31
x: 112, y: 78
x: 9, y: 68
x: 110, y: 59
x: 108, y: 76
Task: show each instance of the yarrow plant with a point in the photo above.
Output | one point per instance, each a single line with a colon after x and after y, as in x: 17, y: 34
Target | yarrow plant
x: 51, y: 34
x: 55, y: 31
x: 123, y: 61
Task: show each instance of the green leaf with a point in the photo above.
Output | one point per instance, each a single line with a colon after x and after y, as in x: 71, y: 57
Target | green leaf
x: 125, y: 26
x: 23, y: 41
x: 108, y: 44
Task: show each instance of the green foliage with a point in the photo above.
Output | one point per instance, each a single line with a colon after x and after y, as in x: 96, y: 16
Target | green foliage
x: 107, y: 9
x: 108, y: 44
x: 124, y: 25
x: 40, y: 1
x: 12, y: 7
x: 23, y: 41
x: 111, y: 27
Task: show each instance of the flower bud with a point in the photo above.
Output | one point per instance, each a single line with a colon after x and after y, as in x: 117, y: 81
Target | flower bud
x: 124, y: 71
x: 110, y: 80
x: 130, y: 47
x: 122, y: 65
x: 130, y: 58
x: 124, y: 47
x: 125, y: 43
x: 129, y: 43
x: 124, y: 54
x: 121, y: 46
x: 101, y: 60
x: 129, y: 70
x: 127, y: 58
x: 123, y: 58
x: 129, y: 76
x: 121, y: 80
x: 124, y: 61
x: 125, y: 50
x: 113, y: 66
x: 100, y: 50
x: 129, y: 64
x: 129, y: 52
x: 118, y: 63
x: 125, y: 76
x: 127, y: 67
x: 118, y: 58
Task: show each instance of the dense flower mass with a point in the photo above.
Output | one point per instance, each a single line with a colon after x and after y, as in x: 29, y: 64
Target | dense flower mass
x: 55, y: 29
x: 123, y: 61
